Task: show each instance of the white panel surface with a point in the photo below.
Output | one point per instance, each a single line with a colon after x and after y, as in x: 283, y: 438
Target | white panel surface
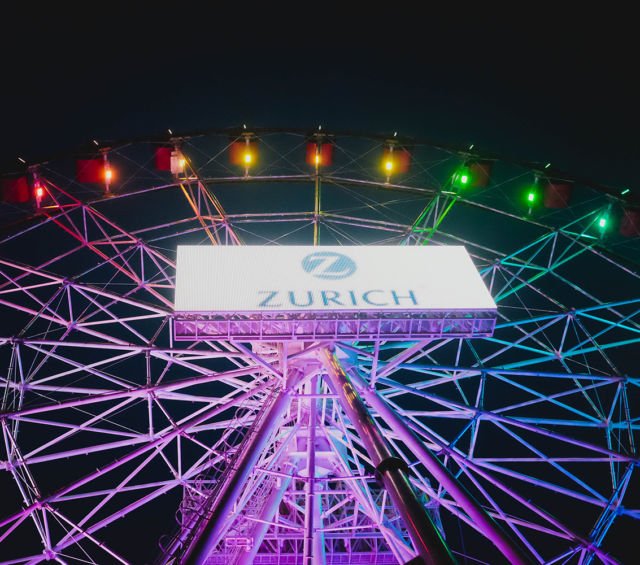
x: 305, y: 278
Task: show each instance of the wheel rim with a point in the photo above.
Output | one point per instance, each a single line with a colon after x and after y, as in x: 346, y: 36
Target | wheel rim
x: 538, y: 421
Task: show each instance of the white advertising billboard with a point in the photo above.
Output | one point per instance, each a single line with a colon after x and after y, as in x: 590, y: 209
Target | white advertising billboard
x: 305, y: 278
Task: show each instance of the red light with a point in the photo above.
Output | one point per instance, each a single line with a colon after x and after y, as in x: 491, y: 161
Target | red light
x: 319, y: 154
x: 163, y: 158
x: 39, y: 192
x: 108, y: 175
x: 90, y: 170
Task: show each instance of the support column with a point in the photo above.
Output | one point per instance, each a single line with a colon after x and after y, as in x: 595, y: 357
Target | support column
x: 391, y: 470
x: 217, y: 522
x: 309, y: 496
x: 487, y: 525
x: 266, y: 517
x: 313, y: 549
x: 316, y: 208
x: 319, y: 554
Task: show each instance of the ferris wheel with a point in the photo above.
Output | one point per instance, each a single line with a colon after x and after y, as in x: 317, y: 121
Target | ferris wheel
x: 127, y: 440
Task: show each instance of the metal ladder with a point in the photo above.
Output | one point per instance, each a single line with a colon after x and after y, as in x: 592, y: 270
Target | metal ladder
x: 181, y: 543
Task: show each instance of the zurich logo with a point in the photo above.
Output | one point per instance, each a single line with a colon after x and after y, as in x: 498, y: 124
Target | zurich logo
x: 329, y: 265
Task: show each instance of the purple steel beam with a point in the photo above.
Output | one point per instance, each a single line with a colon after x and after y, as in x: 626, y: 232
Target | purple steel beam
x: 509, y: 420
x: 313, y: 548
x: 317, y: 325
x: 481, y: 518
x: 266, y: 517
x: 141, y: 391
x: 481, y: 471
x: 216, y: 523
x: 392, y: 471
x: 97, y: 218
x: 151, y: 445
x: 310, y: 499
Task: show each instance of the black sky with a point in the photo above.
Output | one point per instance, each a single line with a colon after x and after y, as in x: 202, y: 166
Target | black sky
x: 533, y: 84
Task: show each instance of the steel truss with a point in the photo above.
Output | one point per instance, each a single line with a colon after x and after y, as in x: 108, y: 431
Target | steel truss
x: 521, y: 445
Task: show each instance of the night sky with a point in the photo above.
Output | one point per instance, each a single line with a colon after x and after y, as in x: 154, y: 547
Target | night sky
x: 533, y: 85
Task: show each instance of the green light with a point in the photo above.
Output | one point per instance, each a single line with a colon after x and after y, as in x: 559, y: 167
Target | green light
x: 602, y: 222
x: 531, y: 196
x: 625, y: 191
x: 462, y: 177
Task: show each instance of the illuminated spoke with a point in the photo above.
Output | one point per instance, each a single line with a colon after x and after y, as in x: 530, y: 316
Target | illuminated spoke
x: 124, y: 402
